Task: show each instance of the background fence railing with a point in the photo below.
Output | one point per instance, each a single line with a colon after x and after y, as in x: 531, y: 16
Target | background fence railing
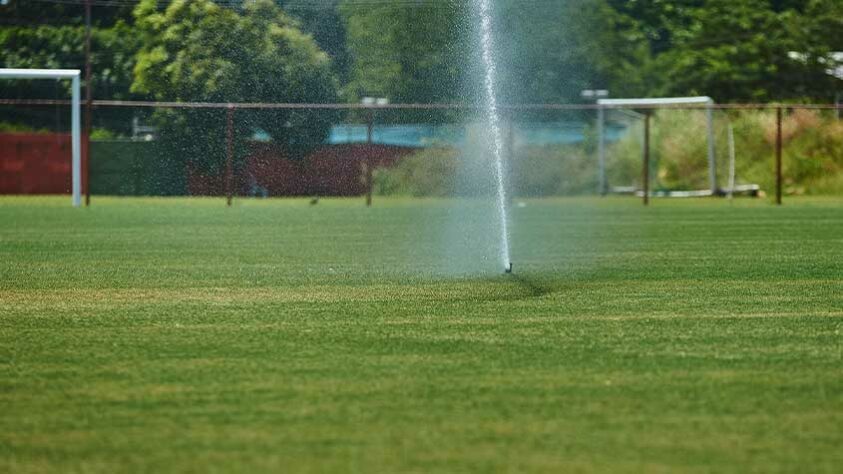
x: 263, y: 150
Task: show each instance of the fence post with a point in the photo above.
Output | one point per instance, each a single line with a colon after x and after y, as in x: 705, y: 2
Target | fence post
x: 778, y: 156
x: 86, y: 157
x: 229, y: 152
x: 731, y: 138
x: 370, y: 124
x: 646, y: 170
x: 602, y: 185
x: 712, y: 157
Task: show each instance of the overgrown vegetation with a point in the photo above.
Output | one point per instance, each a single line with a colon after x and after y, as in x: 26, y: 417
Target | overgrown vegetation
x: 538, y: 171
x: 813, y: 158
x: 431, y: 172
x: 16, y: 127
x: 813, y: 150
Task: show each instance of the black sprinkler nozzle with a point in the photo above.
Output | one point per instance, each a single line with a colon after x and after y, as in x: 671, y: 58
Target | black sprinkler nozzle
x: 508, y: 269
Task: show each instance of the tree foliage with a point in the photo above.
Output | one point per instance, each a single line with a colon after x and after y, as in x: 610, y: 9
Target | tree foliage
x: 746, y: 50
x: 430, y: 53
x: 406, y: 52
x: 54, y: 47
x: 733, y: 50
x: 63, y: 47
x: 551, y: 54
x: 327, y: 27
x: 195, y: 50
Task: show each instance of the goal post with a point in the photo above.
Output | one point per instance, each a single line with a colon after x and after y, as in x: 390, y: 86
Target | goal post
x: 706, y: 102
x: 75, y: 133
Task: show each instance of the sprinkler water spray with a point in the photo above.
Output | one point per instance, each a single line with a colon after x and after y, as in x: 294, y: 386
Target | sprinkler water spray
x: 493, y: 120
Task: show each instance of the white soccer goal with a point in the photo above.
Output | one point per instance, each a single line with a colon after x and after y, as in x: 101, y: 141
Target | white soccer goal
x: 708, y: 102
x: 76, y: 142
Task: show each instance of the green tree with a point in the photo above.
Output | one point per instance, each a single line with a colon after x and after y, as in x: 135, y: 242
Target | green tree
x: 195, y: 50
x: 728, y: 50
x: 46, y: 46
x: 552, y: 52
x: 547, y: 52
x: 63, y: 46
x: 821, y: 32
x: 32, y: 13
x: 658, y: 20
x: 751, y: 50
x: 406, y: 52
x: 324, y: 22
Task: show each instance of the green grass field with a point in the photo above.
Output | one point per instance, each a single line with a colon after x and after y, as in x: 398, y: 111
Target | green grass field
x: 178, y: 335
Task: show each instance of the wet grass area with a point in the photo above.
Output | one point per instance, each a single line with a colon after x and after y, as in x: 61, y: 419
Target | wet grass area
x: 181, y: 335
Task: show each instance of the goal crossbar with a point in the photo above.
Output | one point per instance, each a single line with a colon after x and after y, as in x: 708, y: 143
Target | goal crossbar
x: 75, y: 133
x: 656, y: 101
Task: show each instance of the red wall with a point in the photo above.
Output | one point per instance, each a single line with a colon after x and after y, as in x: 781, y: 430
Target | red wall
x: 330, y: 170
x: 40, y: 164
x: 34, y: 163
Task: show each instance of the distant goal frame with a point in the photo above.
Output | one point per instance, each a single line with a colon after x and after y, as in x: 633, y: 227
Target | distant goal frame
x: 704, y: 102
x: 75, y: 117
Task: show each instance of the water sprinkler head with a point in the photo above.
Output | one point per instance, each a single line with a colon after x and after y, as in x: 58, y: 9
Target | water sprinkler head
x: 508, y: 269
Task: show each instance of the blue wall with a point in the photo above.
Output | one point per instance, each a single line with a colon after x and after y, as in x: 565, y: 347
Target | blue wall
x: 421, y: 135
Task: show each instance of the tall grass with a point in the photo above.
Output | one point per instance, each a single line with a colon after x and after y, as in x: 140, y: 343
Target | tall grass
x: 533, y: 172
x: 813, y: 158
x: 812, y: 150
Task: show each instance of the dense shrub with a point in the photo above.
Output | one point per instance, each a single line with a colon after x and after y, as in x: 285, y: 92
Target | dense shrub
x: 553, y: 171
x: 535, y: 171
x: 15, y: 127
x: 429, y: 172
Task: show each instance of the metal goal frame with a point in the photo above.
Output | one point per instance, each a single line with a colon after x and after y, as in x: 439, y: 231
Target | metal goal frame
x: 75, y: 133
